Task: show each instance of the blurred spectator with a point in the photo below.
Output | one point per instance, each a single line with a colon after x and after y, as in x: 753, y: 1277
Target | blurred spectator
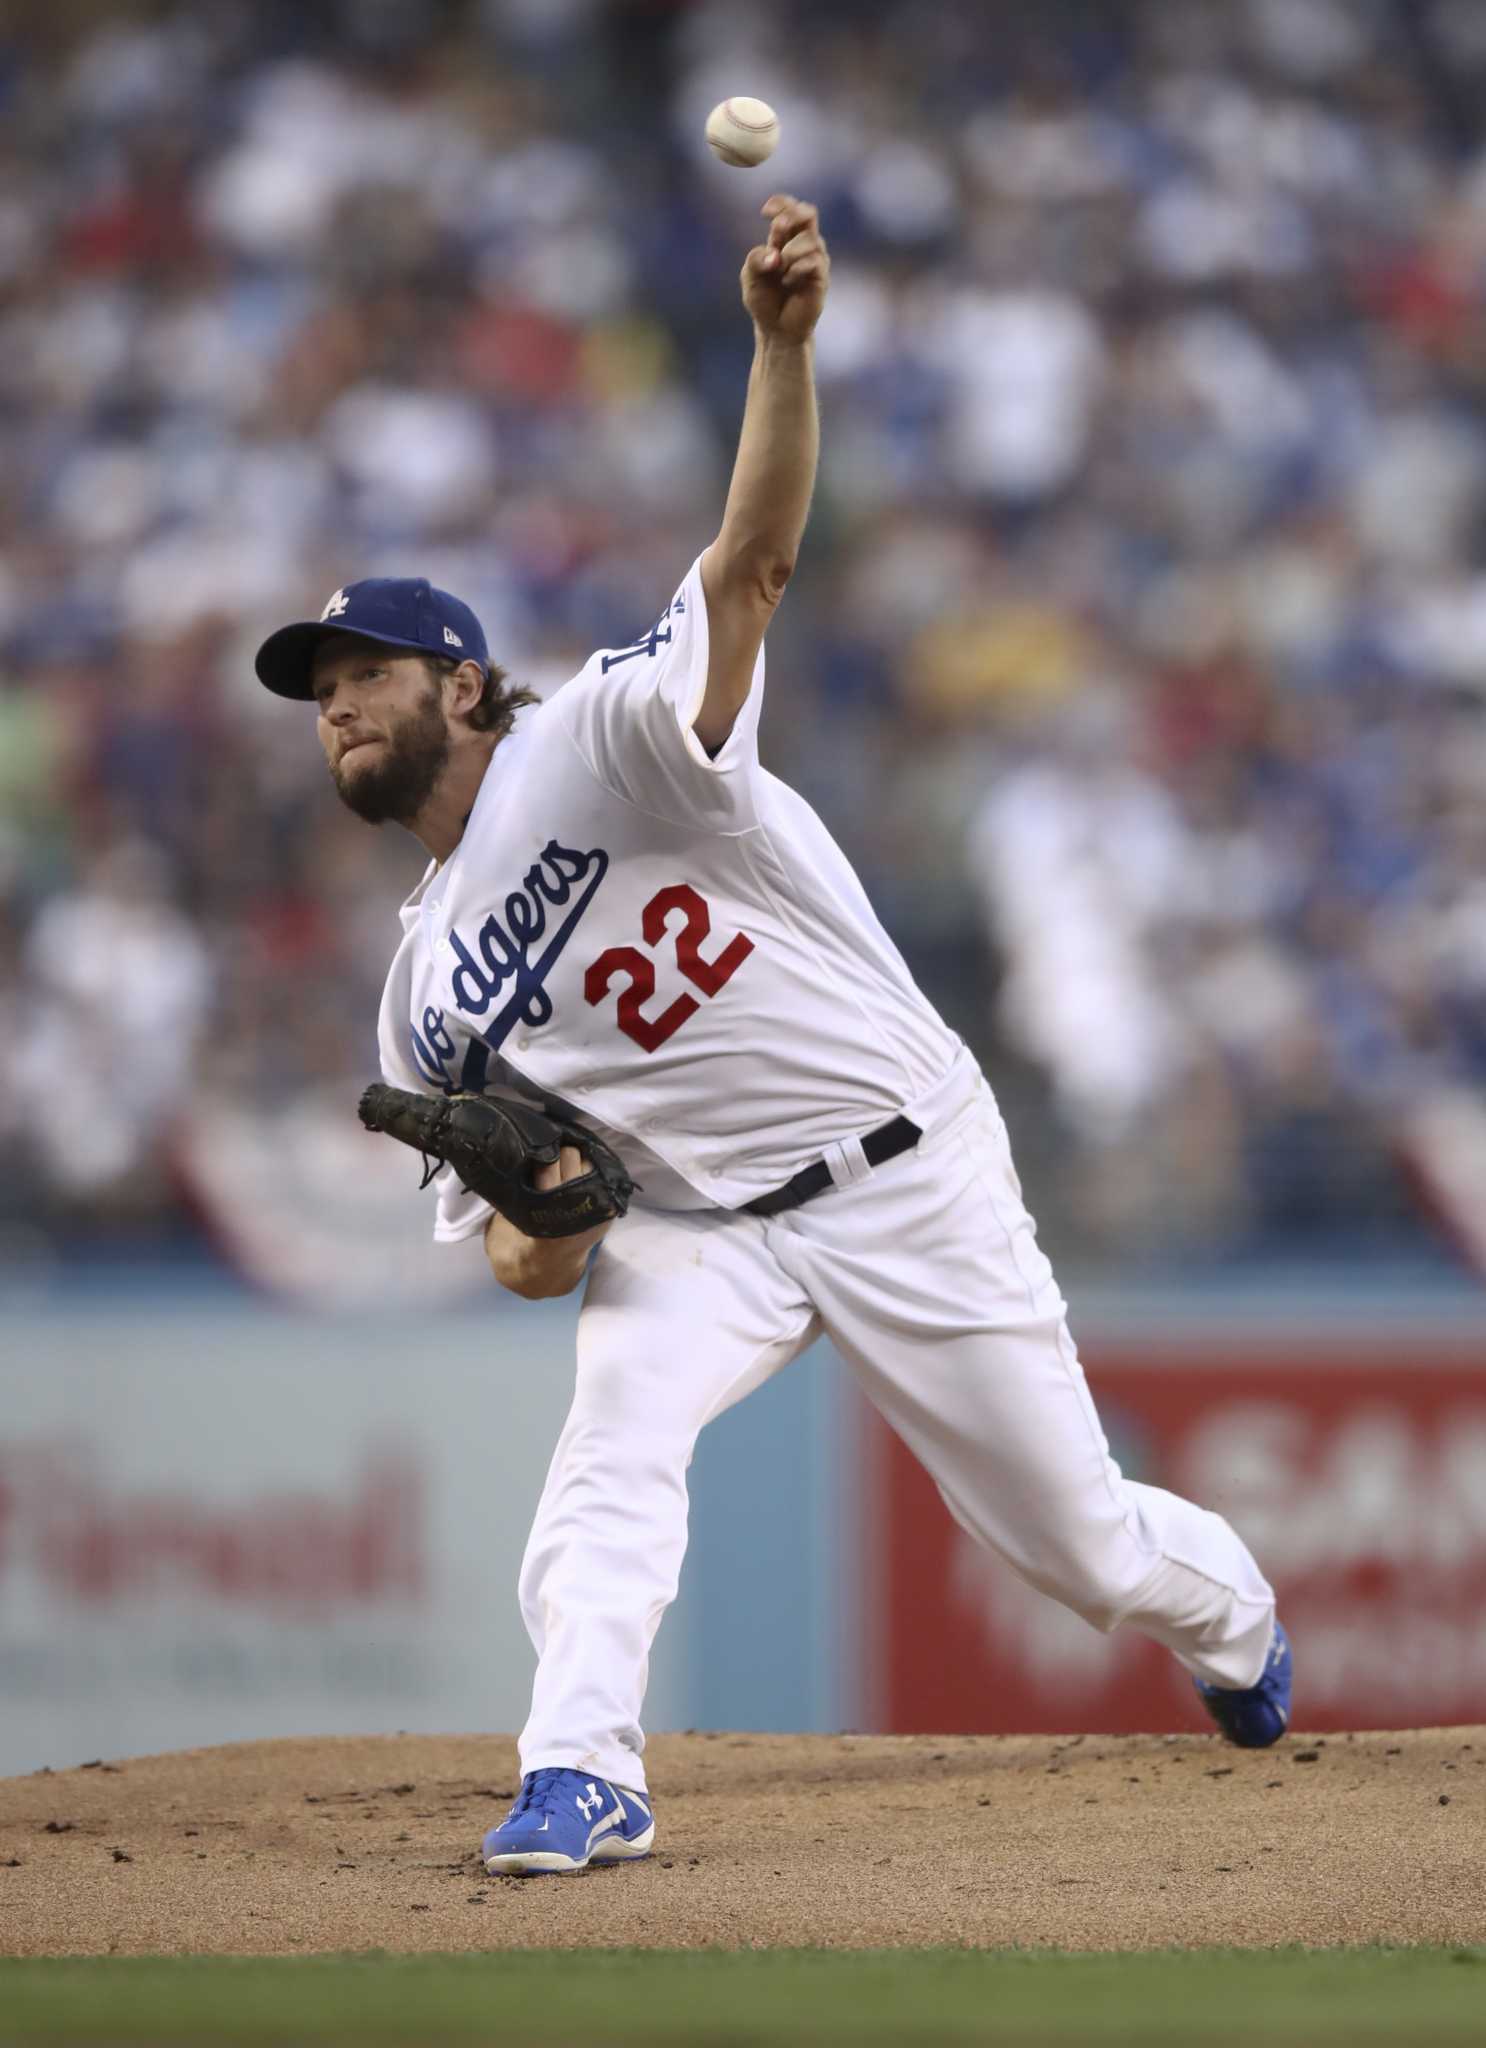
x: 104, y: 1049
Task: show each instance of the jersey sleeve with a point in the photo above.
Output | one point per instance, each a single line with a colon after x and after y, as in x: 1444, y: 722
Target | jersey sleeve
x: 631, y: 713
x: 457, y: 1214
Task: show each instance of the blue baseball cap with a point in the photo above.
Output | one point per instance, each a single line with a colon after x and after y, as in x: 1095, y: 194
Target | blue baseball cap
x: 400, y: 611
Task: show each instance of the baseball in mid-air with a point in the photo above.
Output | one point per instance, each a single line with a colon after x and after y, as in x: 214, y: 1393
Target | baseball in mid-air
x: 743, y: 132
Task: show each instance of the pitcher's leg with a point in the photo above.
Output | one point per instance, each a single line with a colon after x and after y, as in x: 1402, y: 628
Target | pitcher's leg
x: 1024, y: 1466
x: 931, y: 1282
x: 683, y: 1316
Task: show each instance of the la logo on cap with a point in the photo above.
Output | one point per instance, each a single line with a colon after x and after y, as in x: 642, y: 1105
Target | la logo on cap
x: 336, y: 606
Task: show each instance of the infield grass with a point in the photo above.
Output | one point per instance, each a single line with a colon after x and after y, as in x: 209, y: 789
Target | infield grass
x: 528, y: 1999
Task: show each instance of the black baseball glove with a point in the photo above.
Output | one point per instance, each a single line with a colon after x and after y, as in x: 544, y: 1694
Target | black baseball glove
x: 495, y: 1149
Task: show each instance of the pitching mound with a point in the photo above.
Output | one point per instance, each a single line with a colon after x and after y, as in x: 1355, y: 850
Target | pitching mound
x: 847, y: 1841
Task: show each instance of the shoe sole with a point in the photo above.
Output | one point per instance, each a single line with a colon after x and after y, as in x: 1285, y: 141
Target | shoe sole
x: 548, y: 1863
x: 1247, y: 1741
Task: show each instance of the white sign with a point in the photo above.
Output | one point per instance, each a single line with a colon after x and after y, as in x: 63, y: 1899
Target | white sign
x: 224, y: 1522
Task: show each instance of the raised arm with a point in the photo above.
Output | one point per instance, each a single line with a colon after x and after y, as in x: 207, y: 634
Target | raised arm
x: 746, y: 568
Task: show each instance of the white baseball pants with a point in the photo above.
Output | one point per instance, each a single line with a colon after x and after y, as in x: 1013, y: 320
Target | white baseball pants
x: 927, y: 1277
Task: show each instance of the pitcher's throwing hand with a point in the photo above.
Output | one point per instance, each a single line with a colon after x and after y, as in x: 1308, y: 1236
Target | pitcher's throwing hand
x: 785, y: 279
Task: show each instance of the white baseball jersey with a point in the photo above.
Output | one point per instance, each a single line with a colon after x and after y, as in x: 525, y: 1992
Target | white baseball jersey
x: 670, y: 946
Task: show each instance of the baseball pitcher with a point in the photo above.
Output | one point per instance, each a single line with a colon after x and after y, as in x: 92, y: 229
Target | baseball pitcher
x: 644, y: 1026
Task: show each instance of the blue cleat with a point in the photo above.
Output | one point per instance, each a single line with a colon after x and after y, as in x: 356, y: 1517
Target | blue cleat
x: 565, y: 1820
x: 1256, y: 1715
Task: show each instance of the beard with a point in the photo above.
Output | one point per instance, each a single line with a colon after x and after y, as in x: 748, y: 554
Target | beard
x: 400, y: 782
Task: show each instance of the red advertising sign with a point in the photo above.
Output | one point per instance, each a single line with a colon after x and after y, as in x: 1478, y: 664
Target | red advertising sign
x: 1360, y: 1487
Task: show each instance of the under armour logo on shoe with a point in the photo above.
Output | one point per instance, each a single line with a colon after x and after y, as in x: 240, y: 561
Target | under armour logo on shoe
x: 339, y: 603
x: 590, y: 1805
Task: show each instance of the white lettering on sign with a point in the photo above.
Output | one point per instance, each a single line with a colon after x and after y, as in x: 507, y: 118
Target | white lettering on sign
x: 1382, y: 1486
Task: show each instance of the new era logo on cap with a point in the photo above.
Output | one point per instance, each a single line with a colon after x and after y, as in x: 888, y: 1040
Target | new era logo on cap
x: 396, y: 611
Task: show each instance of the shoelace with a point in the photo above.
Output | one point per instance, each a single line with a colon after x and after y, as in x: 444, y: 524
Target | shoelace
x: 538, y: 1793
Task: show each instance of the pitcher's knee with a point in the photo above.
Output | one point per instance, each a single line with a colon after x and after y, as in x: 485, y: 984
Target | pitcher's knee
x: 608, y: 1518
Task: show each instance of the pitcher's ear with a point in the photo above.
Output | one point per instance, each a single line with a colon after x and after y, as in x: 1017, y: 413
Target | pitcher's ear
x: 468, y: 681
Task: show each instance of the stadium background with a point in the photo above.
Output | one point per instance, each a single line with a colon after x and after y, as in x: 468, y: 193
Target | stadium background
x: 1136, y: 659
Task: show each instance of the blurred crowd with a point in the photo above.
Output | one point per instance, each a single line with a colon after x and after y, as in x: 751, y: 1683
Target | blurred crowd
x: 1137, y: 654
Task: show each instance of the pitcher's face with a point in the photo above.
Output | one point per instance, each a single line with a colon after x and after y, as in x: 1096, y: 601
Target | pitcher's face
x: 383, y: 726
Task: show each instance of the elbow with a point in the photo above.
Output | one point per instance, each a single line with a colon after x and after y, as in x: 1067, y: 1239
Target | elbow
x: 776, y: 572
x: 775, y: 577
x: 548, y: 1286
x: 531, y: 1281
x: 525, y: 1286
x: 530, y: 1274
x: 764, y: 575
x: 754, y: 573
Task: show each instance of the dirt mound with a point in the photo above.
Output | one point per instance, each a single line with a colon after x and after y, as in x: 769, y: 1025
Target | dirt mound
x: 763, y: 1840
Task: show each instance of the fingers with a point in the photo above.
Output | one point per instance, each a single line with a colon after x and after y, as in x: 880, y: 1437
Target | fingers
x: 795, y: 245
x: 569, y: 1165
x: 800, y: 256
x: 779, y: 206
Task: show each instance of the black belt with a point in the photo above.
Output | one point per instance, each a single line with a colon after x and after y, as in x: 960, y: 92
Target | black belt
x: 886, y: 1142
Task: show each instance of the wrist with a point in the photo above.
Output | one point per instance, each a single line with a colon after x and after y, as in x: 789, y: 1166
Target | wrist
x: 769, y: 345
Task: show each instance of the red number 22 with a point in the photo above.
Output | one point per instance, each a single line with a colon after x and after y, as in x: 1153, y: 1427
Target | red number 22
x: 707, y: 975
